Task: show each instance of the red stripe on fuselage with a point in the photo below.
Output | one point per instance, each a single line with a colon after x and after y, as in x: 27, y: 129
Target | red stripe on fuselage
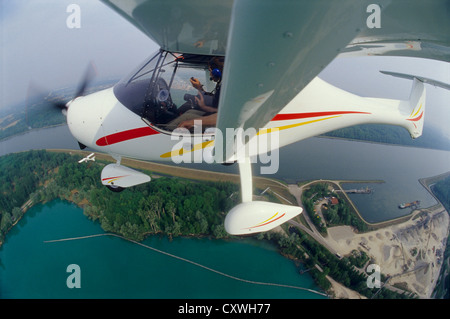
x: 125, y: 136
x: 147, y: 131
x: 296, y: 116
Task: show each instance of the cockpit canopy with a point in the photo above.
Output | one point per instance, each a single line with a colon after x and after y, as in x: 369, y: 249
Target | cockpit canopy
x: 159, y: 90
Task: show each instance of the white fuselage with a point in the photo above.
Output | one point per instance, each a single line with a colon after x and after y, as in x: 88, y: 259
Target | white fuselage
x: 101, y: 122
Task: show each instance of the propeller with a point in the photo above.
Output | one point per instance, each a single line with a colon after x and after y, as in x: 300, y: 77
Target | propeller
x: 87, y: 78
x: 89, y: 75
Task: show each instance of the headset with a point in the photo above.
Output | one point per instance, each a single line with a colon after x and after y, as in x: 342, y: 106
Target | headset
x: 215, y: 71
x: 216, y: 74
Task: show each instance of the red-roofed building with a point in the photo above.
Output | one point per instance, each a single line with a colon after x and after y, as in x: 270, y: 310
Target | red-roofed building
x: 334, y: 201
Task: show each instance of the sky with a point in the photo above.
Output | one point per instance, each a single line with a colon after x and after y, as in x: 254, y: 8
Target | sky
x: 37, y: 47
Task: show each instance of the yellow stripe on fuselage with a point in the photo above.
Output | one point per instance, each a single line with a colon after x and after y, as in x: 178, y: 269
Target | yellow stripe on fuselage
x: 182, y: 151
x: 285, y: 127
x: 203, y: 145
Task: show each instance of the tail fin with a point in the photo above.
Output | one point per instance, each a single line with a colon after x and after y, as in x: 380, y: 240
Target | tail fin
x: 416, y: 101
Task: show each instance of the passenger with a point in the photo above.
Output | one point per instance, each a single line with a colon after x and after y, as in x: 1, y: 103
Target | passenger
x: 205, y: 108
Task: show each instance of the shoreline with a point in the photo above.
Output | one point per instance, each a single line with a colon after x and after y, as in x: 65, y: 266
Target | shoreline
x: 420, y: 279
x: 414, y: 255
x: 427, y: 182
x: 339, y: 233
x: 3, y: 139
x: 372, y: 226
x: 287, y: 197
x: 190, y: 173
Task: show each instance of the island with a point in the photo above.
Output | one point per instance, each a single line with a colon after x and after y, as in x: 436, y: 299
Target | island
x: 412, y: 251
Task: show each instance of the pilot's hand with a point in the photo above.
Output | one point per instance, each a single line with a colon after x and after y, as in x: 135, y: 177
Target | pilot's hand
x: 196, y: 84
x: 186, y: 124
x: 200, y: 101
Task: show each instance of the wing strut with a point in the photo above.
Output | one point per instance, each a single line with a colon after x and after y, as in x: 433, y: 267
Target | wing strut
x: 245, y: 171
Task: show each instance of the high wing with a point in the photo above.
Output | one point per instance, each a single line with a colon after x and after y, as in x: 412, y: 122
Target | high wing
x: 274, y: 48
x: 194, y: 26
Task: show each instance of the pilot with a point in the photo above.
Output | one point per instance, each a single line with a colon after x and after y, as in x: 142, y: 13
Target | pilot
x: 215, y: 66
x: 206, y: 108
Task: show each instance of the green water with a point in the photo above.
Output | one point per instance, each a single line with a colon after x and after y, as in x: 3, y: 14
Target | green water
x: 112, y: 267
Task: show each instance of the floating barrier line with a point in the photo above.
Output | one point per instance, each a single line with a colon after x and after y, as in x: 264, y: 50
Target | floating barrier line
x: 191, y: 262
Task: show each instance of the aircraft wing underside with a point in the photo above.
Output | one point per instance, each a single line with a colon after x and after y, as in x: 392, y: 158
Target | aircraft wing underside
x: 194, y: 26
x: 274, y: 48
x: 407, y: 28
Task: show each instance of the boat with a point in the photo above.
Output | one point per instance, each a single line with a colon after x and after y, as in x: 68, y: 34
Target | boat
x: 412, y: 204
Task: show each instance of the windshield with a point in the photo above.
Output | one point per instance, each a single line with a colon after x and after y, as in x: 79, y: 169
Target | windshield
x: 160, y: 89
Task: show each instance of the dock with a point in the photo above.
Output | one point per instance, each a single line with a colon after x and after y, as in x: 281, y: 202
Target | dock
x: 366, y: 190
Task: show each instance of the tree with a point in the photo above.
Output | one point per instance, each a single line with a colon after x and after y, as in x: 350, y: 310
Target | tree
x: 6, y: 222
x: 16, y: 213
x: 202, y: 223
